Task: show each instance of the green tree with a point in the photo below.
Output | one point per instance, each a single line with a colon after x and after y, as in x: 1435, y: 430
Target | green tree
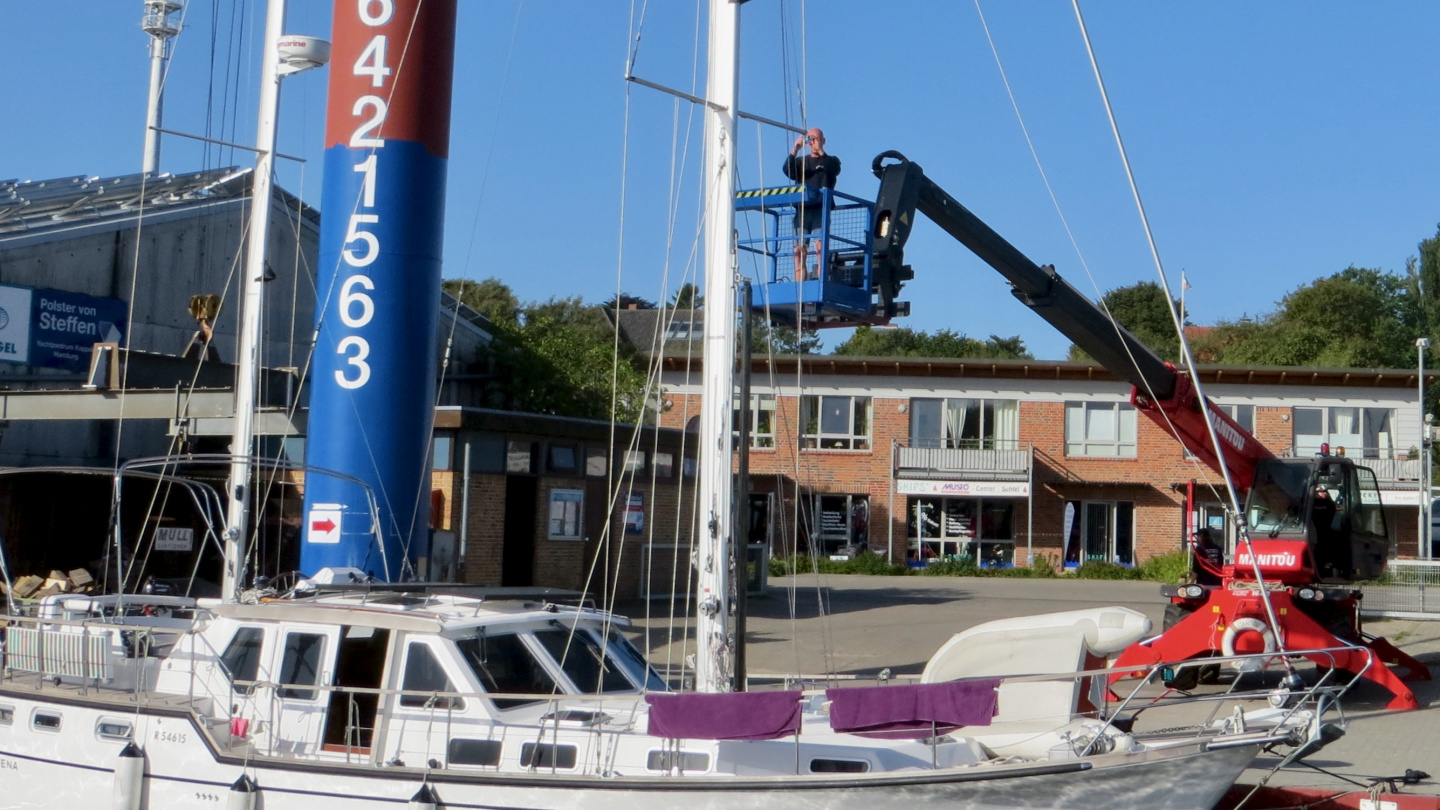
x: 1358, y: 317
x: 869, y: 342
x: 490, y: 297
x: 687, y: 297
x: 1143, y: 309
x: 626, y: 301
x: 766, y: 339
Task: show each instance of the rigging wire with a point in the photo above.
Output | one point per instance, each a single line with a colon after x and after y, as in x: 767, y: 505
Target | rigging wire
x: 1234, y: 498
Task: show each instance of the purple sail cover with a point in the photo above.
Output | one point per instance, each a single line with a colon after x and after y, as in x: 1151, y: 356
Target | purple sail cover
x: 905, y: 711
x: 724, y: 716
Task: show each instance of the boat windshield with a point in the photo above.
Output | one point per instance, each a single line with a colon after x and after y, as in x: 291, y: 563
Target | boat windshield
x: 504, y: 665
x: 1277, y: 500
x: 624, y: 652
x: 580, y: 656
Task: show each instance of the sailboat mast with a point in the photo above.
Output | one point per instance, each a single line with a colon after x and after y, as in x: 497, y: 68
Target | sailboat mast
x: 242, y: 437
x: 713, y: 652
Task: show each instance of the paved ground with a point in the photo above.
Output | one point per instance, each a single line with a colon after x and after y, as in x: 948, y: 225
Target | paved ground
x: 872, y: 623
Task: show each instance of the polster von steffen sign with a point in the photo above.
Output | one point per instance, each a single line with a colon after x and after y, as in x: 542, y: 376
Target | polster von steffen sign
x: 54, y: 328
x: 977, y: 489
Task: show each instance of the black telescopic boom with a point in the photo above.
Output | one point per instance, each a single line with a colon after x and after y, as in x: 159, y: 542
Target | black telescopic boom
x: 904, y: 188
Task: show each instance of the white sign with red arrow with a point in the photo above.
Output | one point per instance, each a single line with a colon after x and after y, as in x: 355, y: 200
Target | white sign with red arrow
x: 323, y: 524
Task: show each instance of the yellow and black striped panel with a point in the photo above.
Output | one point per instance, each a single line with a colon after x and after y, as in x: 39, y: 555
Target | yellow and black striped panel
x: 766, y: 192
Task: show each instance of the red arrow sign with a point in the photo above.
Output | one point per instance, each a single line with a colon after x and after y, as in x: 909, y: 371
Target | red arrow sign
x: 327, y: 526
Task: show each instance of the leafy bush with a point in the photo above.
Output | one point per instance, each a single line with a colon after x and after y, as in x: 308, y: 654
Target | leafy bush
x: 1167, y: 569
x: 874, y: 564
x: 1103, y: 569
x: 962, y: 566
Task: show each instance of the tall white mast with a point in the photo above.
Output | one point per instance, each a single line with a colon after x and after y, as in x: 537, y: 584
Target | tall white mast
x: 158, y: 25
x: 242, y: 438
x: 712, y: 659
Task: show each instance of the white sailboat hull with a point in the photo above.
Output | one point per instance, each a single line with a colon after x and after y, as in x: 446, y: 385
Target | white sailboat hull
x: 72, y: 767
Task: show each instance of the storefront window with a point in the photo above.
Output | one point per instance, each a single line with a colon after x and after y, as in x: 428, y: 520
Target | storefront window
x: 1099, y: 531
x: 949, y: 528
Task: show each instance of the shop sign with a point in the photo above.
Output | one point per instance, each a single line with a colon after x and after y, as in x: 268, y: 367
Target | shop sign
x: 979, y: 489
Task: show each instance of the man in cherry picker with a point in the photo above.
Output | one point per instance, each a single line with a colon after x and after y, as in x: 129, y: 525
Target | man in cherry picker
x: 816, y: 170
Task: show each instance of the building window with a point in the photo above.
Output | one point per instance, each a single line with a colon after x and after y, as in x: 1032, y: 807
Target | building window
x: 1099, y: 531
x: 835, y: 423
x: 563, y: 458
x: 1100, y: 429
x: 1359, y: 432
x: 440, y: 451
x: 634, y: 461
x: 838, y: 522
x: 986, y: 424
x: 566, y: 508
x: 949, y: 528
x: 596, y: 463
x: 519, y: 457
x: 762, y: 420
x: 664, y: 465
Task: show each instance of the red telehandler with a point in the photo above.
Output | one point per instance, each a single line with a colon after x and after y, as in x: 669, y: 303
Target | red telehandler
x: 1316, y: 524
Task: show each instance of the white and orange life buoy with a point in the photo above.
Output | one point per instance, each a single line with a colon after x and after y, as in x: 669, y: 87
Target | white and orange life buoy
x: 1247, y: 627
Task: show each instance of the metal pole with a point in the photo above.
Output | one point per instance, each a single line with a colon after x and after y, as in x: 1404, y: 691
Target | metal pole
x: 890, y: 510
x: 157, y: 24
x: 248, y: 360
x: 740, y: 549
x: 1423, y: 519
x: 464, y: 514
x: 712, y: 647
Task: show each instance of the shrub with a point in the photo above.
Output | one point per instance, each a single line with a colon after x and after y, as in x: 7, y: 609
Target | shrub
x: 1167, y: 569
x: 962, y: 566
x: 1103, y: 569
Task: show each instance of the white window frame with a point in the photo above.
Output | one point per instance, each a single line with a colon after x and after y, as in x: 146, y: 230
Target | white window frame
x: 1123, y: 441
x: 1327, y: 435
x: 759, y: 440
x: 983, y: 442
x: 1233, y: 411
x: 819, y: 439
x: 566, y: 518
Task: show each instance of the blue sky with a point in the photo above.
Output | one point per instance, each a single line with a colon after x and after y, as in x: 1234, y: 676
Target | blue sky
x: 1273, y: 143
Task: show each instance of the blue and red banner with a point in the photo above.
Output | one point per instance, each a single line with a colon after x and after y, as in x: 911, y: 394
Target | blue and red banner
x: 372, y: 395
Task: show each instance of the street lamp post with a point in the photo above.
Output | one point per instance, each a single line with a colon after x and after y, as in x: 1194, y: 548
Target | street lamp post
x: 1422, y: 530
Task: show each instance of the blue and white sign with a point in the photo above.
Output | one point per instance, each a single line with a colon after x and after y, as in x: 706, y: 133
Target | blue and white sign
x: 55, y: 328
x: 15, y: 308
x: 67, y: 324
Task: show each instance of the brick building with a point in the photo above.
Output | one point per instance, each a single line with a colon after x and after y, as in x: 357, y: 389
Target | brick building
x: 1012, y: 460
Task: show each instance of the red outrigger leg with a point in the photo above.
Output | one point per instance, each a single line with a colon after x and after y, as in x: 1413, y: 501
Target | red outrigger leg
x: 1204, y: 633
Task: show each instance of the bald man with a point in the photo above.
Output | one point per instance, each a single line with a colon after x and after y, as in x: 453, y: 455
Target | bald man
x: 816, y: 169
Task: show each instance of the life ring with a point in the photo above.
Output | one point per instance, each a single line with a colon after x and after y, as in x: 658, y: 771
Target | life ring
x: 1247, y: 624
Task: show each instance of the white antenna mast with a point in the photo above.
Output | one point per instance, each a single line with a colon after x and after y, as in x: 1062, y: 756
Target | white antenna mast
x: 161, y: 29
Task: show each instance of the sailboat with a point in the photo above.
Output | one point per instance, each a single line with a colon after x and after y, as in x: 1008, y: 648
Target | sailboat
x: 344, y: 692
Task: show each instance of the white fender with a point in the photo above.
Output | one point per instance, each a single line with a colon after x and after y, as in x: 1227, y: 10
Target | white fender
x: 1247, y: 624
x: 424, y: 799
x: 242, y: 794
x: 129, y: 778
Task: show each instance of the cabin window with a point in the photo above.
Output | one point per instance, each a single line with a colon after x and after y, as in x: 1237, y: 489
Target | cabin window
x: 1100, y: 429
x: 580, y: 656
x: 424, y: 674
x: 561, y: 757
x: 301, y: 665
x: 7, y: 715
x: 839, y: 766
x: 625, y: 653
x: 473, y: 752
x: 45, y: 721
x: 667, y: 761
x: 109, y: 728
x: 241, y: 659
x: 504, y: 665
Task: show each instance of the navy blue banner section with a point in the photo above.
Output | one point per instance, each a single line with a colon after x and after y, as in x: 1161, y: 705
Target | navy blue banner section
x: 55, y: 328
x: 373, y: 385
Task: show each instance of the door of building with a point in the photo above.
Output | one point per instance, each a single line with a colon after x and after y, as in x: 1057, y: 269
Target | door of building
x: 517, y: 563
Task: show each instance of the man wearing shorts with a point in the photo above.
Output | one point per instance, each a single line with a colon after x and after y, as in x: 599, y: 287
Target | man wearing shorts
x: 816, y: 170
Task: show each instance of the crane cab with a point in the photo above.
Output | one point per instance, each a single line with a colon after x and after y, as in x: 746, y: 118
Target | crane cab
x: 1315, y: 519
x: 835, y: 285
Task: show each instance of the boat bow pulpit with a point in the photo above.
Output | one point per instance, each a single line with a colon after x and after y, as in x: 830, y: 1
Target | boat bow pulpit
x: 839, y: 289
